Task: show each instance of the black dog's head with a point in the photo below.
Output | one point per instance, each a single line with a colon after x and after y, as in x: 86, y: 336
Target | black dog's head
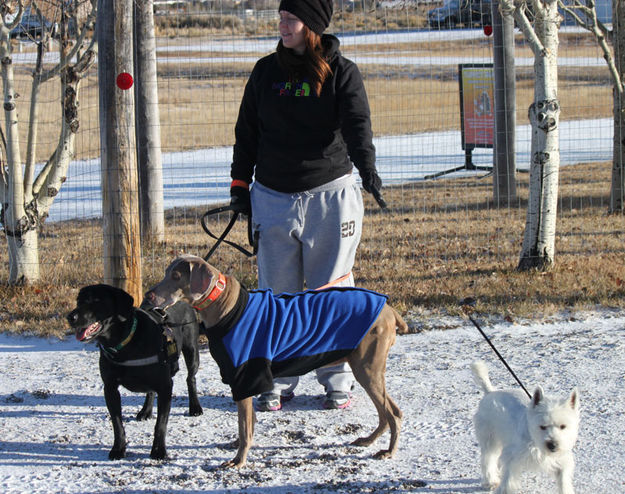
x: 98, y: 309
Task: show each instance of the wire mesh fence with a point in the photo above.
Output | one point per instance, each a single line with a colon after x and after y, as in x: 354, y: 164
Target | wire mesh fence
x: 408, y: 53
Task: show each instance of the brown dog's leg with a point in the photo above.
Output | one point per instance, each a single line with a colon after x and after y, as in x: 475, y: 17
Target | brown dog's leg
x: 389, y: 415
x: 247, y: 419
x: 368, y: 364
x: 377, y: 398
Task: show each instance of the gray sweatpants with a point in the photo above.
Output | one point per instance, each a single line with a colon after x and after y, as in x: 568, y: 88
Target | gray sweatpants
x: 306, y: 240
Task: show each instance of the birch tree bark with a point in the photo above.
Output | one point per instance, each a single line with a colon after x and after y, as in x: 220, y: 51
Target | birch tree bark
x: 538, y: 250
x: 26, y: 197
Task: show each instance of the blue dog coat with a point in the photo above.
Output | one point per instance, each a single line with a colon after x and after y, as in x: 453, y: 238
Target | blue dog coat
x: 282, y: 335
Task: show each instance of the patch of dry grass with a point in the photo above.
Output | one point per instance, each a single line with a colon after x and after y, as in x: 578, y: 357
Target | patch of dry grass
x: 199, y: 21
x: 459, y: 246
x: 440, y: 242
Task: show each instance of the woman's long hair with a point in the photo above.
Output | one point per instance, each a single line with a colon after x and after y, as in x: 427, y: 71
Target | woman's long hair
x: 312, y: 64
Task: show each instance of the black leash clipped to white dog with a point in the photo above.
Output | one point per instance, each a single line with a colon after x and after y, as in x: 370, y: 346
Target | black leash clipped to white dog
x: 479, y: 328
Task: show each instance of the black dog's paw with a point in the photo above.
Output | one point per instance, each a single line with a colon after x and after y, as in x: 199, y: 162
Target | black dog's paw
x: 195, y: 411
x: 144, y: 415
x: 148, y: 405
x: 117, y: 453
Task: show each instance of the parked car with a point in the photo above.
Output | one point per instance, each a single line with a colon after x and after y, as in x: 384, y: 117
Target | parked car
x: 465, y: 12
x: 32, y: 25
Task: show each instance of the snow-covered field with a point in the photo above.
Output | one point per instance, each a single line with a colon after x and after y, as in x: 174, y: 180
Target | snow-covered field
x: 55, y: 431
x: 202, y: 176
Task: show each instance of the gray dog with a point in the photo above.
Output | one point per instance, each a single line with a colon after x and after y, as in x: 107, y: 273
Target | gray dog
x: 256, y: 336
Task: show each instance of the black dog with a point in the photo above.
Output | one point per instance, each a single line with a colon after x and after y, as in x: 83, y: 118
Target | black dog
x: 138, y: 350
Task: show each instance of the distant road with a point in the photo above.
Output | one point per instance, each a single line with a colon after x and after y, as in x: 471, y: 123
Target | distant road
x: 239, y: 49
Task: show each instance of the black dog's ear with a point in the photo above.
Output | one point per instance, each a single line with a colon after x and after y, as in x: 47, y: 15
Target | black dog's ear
x: 123, y: 300
x: 90, y: 293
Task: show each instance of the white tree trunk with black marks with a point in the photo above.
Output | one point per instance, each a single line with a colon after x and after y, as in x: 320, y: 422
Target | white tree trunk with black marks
x: 25, y: 197
x: 538, y: 249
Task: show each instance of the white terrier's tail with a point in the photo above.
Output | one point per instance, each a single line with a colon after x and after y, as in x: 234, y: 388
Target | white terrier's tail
x: 480, y: 374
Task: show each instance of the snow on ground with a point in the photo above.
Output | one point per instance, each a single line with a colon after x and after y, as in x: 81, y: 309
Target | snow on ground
x: 56, y: 433
x: 202, y: 176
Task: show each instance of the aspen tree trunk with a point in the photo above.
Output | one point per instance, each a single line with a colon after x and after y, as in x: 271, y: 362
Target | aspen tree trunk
x: 25, y: 196
x: 20, y: 231
x: 538, y: 249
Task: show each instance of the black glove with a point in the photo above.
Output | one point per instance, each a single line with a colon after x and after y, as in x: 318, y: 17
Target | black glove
x: 240, y: 200
x: 372, y: 183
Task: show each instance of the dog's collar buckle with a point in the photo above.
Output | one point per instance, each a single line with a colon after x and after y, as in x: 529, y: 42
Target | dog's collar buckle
x: 214, y: 294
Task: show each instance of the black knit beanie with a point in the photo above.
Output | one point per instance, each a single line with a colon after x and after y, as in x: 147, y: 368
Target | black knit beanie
x: 315, y: 14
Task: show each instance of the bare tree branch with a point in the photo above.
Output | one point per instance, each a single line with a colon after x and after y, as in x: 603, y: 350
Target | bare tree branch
x: 585, y: 15
x: 84, y: 32
x: 507, y: 7
x: 7, y: 9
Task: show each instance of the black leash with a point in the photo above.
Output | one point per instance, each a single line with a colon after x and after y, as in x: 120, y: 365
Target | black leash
x: 497, y: 353
x: 253, y: 239
x: 377, y: 195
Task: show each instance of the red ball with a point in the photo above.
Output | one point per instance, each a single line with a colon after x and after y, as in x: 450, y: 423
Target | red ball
x: 124, y: 81
x: 488, y: 30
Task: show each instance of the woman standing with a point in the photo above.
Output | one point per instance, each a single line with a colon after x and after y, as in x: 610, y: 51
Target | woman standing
x: 304, y: 122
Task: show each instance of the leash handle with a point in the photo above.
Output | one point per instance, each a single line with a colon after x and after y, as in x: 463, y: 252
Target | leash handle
x: 222, y: 237
x: 499, y: 355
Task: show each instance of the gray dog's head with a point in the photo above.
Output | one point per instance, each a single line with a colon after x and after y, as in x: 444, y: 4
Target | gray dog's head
x: 187, y: 278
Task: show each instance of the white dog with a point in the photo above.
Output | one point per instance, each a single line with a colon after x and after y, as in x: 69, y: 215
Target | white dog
x: 517, y: 434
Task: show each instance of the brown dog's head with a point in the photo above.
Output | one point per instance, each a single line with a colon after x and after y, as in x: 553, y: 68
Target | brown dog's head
x: 187, y: 278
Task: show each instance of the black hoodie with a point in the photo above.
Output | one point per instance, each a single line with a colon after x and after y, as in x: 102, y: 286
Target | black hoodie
x: 290, y: 139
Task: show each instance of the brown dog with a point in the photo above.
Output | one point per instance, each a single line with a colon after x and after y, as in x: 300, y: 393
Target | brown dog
x: 222, y: 304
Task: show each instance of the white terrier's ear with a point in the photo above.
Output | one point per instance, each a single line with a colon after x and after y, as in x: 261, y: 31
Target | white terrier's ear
x: 573, y: 399
x: 538, y: 396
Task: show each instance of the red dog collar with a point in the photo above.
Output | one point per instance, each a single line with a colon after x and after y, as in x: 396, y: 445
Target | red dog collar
x: 214, y: 294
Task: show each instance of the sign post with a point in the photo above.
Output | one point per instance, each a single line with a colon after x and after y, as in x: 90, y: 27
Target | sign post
x: 477, y: 113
